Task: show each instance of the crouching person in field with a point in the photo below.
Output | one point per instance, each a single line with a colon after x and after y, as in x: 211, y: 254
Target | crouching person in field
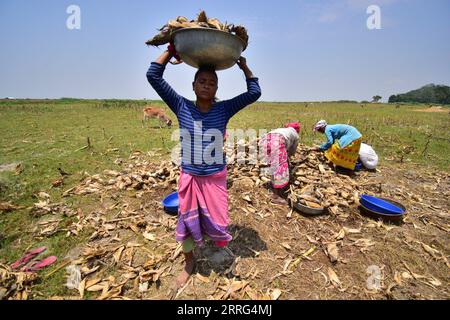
x: 277, y: 146
x: 343, y: 143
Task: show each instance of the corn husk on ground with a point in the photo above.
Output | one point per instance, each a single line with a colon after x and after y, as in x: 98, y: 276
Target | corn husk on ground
x: 15, y: 284
x: 202, y: 21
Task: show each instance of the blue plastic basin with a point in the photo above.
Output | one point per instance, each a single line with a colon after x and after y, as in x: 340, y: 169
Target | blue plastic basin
x: 170, y: 202
x: 380, y: 205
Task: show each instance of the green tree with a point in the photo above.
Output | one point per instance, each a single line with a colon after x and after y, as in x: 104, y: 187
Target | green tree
x: 393, y: 99
x: 431, y: 93
x: 376, y: 98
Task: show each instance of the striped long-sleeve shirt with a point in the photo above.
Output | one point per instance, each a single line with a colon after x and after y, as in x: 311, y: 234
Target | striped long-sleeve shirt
x: 201, y: 133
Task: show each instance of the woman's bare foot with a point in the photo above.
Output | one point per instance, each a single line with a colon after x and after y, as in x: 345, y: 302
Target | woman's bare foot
x: 277, y: 199
x: 184, y: 275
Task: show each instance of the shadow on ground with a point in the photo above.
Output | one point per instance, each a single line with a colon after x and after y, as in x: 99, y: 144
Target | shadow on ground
x: 246, y: 243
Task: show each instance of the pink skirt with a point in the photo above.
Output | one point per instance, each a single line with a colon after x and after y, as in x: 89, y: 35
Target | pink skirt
x: 276, y: 156
x: 203, y: 208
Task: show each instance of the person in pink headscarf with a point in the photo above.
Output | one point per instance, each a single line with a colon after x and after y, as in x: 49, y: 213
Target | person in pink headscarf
x: 277, y: 146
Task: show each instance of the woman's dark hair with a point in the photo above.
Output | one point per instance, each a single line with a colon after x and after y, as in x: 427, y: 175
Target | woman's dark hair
x: 206, y: 69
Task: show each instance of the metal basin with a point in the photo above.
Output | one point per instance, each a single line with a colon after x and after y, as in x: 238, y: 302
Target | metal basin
x: 307, y: 210
x: 208, y: 47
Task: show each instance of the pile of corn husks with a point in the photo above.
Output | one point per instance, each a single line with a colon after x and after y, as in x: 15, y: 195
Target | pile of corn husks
x: 316, y: 185
x: 202, y: 21
x: 313, y: 183
x: 136, y: 176
x: 129, y: 253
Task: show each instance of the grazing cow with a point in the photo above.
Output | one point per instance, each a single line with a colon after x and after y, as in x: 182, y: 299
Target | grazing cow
x: 152, y: 112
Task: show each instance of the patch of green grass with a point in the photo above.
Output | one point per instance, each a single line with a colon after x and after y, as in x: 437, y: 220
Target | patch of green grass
x: 45, y: 137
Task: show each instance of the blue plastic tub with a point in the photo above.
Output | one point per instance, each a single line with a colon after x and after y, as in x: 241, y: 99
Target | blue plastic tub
x: 395, y: 218
x: 379, y: 205
x: 170, y: 203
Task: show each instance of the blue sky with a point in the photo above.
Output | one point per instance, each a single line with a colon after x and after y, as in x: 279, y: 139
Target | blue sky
x: 300, y: 50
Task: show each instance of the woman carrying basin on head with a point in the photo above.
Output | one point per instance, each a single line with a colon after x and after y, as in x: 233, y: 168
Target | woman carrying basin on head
x: 203, y: 197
